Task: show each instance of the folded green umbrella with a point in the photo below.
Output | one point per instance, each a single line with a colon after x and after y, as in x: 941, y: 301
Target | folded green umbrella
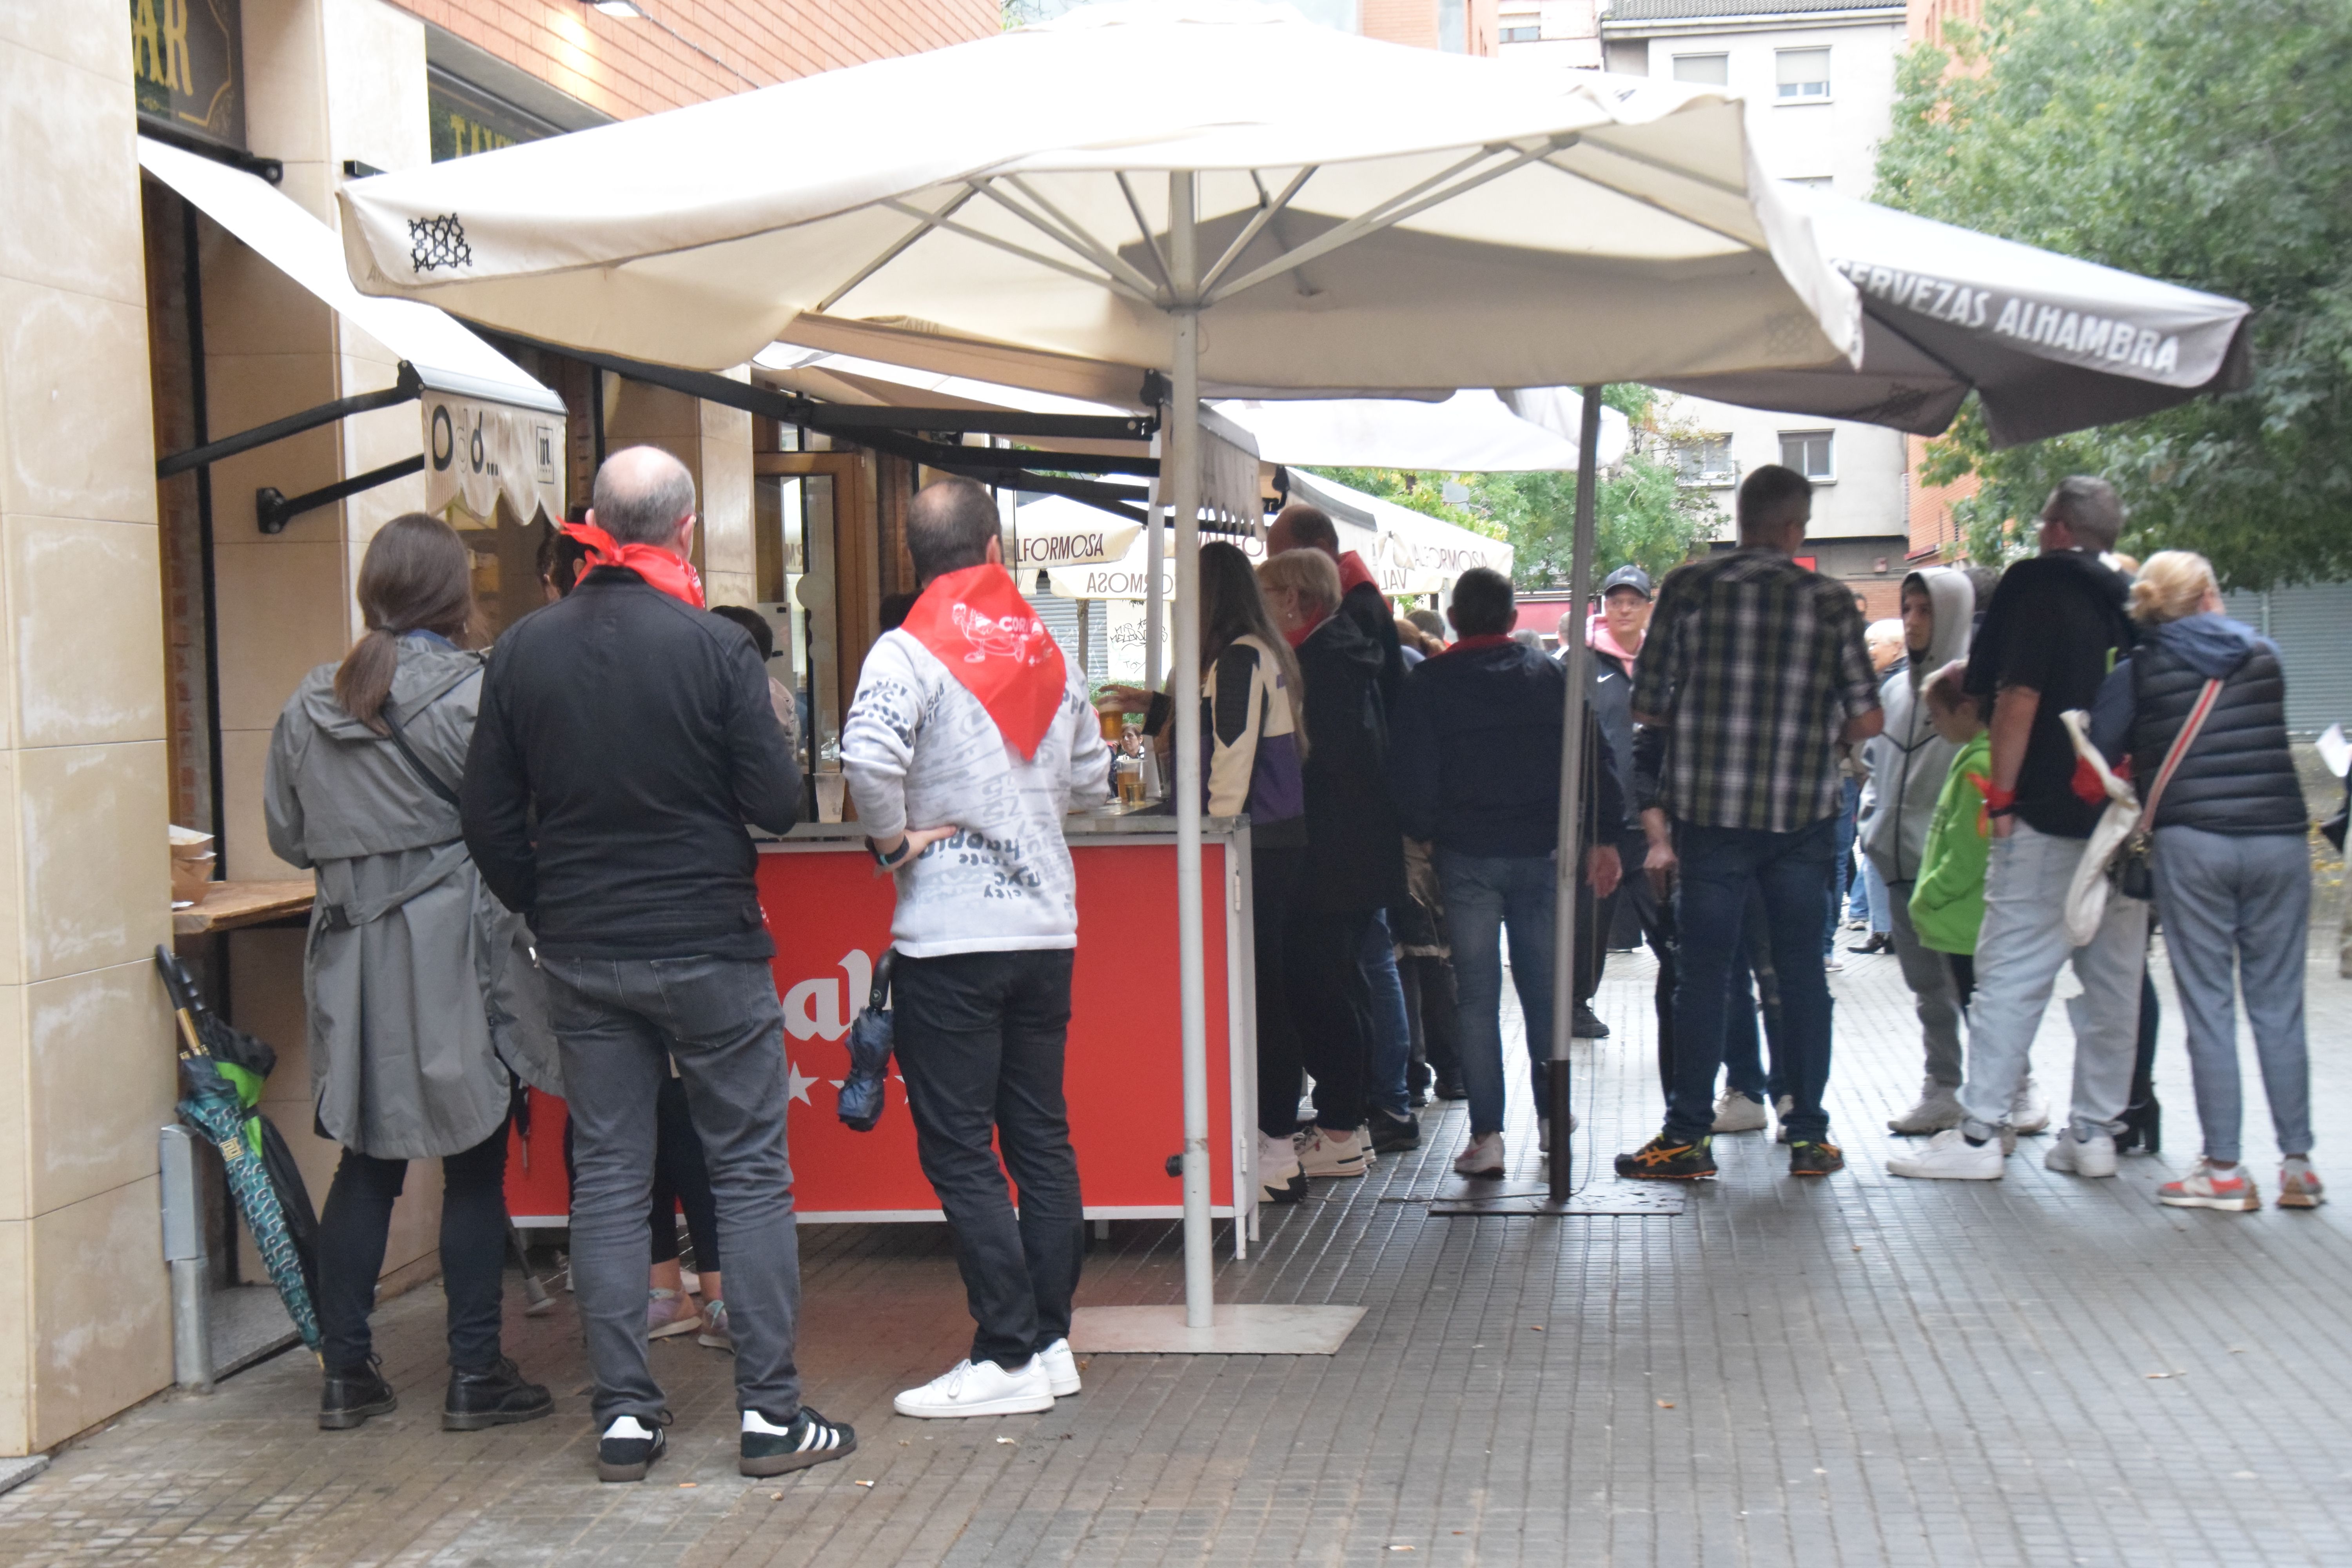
x: 222, y: 1070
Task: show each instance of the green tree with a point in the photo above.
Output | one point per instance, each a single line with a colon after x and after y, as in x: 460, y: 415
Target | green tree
x: 1640, y: 514
x: 2208, y: 143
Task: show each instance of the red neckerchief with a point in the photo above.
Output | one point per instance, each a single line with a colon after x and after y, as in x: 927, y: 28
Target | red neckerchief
x: 1484, y: 639
x: 1354, y: 573
x: 977, y: 623
x: 673, y: 574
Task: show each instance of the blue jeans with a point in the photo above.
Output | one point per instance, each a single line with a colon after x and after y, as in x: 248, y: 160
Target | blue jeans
x: 2236, y: 914
x: 1391, y: 1030
x: 1754, y: 981
x: 1841, y: 870
x: 1793, y: 873
x: 1483, y: 895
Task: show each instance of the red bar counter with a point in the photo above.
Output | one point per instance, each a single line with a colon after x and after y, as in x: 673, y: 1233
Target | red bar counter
x: 830, y: 915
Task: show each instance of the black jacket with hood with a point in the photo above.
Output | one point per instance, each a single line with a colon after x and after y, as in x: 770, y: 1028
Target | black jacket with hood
x: 1355, y: 850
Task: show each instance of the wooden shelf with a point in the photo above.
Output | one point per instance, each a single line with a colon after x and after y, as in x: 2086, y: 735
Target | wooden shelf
x: 230, y: 905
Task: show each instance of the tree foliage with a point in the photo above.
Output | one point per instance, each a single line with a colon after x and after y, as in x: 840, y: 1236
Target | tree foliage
x: 2207, y: 143
x: 1640, y: 514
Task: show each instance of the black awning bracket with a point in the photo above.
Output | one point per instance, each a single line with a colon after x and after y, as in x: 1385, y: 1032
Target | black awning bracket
x: 405, y: 389
x: 273, y: 509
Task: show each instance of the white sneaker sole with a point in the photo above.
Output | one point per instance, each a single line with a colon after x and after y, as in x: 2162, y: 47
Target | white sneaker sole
x: 1743, y: 1122
x: 1009, y: 1404
x: 2248, y: 1204
x: 1919, y: 1171
x: 682, y: 1326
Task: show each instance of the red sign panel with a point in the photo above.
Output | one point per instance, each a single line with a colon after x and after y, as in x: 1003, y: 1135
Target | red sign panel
x: 830, y: 916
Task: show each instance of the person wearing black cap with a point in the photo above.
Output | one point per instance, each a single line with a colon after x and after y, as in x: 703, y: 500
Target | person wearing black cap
x: 1614, y: 638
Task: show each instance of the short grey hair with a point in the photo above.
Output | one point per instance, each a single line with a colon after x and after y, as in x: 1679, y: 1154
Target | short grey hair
x: 641, y: 495
x: 1310, y: 572
x: 2090, y: 509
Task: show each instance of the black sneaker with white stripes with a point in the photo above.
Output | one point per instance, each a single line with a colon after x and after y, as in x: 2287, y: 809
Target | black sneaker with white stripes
x: 769, y: 1449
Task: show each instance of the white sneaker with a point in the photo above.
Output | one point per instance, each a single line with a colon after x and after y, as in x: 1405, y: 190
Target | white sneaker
x: 1781, y: 1109
x: 1543, y: 1132
x: 980, y: 1388
x: 1834, y: 964
x: 2029, y: 1110
x: 1950, y: 1157
x: 2092, y: 1156
x: 1280, y: 1179
x: 1938, y: 1107
x: 1735, y: 1112
x: 1483, y: 1158
x: 1061, y: 1368
x: 1350, y: 1154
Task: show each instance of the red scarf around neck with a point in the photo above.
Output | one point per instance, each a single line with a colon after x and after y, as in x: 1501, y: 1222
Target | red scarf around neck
x: 1354, y: 573
x: 976, y: 623
x: 673, y: 574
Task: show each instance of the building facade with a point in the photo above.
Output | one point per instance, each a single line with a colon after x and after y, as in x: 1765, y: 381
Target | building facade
x: 154, y: 630
x: 1819, y: 77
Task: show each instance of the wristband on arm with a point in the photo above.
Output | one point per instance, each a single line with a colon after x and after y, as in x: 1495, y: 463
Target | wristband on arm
x: 2000, y: 802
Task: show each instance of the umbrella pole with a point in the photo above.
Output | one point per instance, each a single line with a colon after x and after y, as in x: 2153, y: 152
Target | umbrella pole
x: 1571, y: 805
x: 1184, y: 462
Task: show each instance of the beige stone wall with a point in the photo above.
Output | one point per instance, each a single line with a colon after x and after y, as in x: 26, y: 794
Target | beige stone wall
x: 715, y: 445
x: 86, y: 1073
x: 327, y: 81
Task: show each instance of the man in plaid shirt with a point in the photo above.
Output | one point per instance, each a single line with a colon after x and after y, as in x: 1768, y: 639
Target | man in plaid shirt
x: 1755, y: 668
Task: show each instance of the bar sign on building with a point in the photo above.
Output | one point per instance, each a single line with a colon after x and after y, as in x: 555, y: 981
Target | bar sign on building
x: 187, y: 64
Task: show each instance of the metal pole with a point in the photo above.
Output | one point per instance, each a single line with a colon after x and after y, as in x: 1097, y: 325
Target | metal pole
x: 1155, y: 555
x: 1182, y: 467
x: 184, y: 1252
x: 1571, y: 790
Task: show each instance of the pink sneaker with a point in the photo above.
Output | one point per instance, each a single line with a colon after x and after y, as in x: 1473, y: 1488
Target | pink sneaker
x: 2206, y: 1188
x: 2299, y: 1185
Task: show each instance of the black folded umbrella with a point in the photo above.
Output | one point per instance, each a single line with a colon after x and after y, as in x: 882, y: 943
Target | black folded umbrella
x: 869, y: 1055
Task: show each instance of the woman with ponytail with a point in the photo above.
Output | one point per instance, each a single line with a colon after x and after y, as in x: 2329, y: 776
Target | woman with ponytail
x: 424, y: 1007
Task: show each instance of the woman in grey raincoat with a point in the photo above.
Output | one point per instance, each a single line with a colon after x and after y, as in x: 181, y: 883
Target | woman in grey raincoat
x: 424, y: 1006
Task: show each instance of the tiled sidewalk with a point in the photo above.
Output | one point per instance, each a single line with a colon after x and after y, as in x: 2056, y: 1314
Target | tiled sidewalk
x: 1862, y: 1370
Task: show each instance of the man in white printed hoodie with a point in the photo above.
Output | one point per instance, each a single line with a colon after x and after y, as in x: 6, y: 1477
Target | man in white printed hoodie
x: 1908, y: 762
x: 968, y: 721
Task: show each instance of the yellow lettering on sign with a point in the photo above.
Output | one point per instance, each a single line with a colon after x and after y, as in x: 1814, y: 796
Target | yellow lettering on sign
x: 147, y: 42
x: 178, y: 73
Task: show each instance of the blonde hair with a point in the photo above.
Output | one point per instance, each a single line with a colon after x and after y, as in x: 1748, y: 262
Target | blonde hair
x: 2171, y: 585
x: 1307, y: 571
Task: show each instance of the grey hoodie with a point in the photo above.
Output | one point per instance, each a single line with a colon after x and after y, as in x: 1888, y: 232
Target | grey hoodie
x: 1907, y: 760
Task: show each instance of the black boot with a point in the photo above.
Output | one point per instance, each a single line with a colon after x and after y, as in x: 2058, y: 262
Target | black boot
x: 494, y: 1396
x: 352, y: 1394
x: 2143, y: 1128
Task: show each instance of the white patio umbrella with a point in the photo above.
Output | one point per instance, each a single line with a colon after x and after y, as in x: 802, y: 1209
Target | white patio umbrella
x: 1253, y: 205
x: 1472, y: 432
x: 2048, y: 343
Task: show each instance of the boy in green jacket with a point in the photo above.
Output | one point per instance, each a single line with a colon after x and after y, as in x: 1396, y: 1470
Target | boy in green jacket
x: 1948, y: 902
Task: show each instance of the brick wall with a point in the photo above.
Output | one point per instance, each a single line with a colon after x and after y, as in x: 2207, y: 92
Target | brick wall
x: 687, y: 51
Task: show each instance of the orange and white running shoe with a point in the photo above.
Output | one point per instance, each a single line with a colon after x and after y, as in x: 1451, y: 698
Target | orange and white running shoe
x: 2206, y: 1188
x: 2299, y: 1185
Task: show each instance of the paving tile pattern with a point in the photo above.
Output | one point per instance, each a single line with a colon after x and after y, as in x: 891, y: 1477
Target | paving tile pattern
x: 1861, y: 1370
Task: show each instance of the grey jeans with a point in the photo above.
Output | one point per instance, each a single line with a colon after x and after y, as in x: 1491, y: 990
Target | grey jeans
x: 1929, y: 977
x: 619, y: 1023
x: 2019, y: 953
x: 2236, y: 912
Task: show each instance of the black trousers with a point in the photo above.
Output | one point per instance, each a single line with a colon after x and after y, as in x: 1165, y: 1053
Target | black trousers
x: 1331, y: 1007
x: 1431, y: 1007
x: 681, y: 1180
x: 980, y: 1038
x: 356, y: 1222
x: 1274, y: 888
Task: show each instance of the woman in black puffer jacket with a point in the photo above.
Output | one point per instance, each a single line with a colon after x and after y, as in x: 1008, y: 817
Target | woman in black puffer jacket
x: 2233, y: 866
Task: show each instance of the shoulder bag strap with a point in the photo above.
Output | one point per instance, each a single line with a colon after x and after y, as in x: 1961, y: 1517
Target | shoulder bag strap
x: 2180, y: 744
x: 432, y: 781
